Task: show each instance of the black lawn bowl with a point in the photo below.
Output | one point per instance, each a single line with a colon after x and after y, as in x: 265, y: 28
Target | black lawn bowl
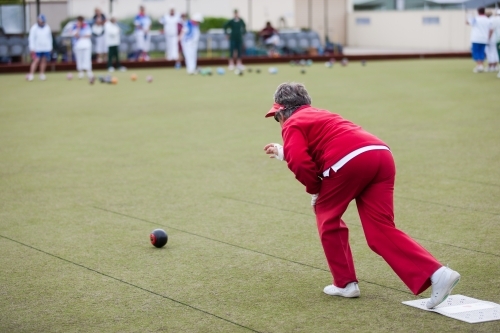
x: 158, y: 238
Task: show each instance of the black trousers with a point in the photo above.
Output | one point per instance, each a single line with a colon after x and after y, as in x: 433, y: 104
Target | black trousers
x: 113, y: 53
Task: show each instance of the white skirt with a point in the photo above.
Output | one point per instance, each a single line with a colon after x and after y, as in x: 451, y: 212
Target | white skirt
x: 172, y: 43
x: 190, y: 50
x: 100, y: 45
x: 491, y: 52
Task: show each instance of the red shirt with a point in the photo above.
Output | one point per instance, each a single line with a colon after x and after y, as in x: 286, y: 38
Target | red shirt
x: 314, y: 140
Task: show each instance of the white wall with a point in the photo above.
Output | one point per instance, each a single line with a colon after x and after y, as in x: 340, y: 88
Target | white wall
x: 56, y: 11
x: 262, y: 10
x: 397, y: 29
x: 327, y: 17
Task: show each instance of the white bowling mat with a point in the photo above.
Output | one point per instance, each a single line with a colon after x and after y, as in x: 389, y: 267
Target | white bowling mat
x: 463, y: 308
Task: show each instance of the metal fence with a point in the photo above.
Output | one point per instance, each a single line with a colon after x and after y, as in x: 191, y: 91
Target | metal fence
x: 290, y: 43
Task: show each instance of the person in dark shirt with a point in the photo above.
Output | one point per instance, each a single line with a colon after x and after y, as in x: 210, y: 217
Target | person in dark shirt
x: 270, y: 38
x: 235, y: 29
x: 180, y: 24
x: 98, y: 14
x: 268, y: 31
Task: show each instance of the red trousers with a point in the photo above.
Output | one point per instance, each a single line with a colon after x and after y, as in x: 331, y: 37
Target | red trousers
x: 369, y: 178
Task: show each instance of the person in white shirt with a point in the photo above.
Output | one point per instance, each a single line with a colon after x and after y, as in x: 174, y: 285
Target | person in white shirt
x: 112, y: 37
x: 82, y: 47
x: 170, y: 23
x: 142, y: 24
x: 491, y: 48
x: 495, y: 22
x: 40, y: 45
x: 496, y: 26
x: 190, y: 36
x: 480, y: 36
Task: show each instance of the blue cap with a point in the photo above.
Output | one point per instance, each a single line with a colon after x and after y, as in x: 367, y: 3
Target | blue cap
x: 42, y: 18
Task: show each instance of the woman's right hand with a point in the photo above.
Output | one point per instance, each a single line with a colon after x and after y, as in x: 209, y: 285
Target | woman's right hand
x: 275, y: 150
x: 271, y: 149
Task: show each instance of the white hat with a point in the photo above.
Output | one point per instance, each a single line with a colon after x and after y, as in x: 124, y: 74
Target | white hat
x: 197, y: 17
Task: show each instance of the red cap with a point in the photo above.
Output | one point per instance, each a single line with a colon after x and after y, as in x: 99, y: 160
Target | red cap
x: 276, y: 107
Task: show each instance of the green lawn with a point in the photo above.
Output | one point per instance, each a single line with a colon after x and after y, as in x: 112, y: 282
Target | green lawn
x: 86, y: 172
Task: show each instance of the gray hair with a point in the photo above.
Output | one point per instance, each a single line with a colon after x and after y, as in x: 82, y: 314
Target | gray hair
x: 291, y: 95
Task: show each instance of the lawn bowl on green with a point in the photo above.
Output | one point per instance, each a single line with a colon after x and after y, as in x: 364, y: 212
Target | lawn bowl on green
x: 158, y: 238
x: 221, y: 71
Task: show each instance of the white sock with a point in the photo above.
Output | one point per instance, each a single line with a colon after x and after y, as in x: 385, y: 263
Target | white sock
x: 437, y: 274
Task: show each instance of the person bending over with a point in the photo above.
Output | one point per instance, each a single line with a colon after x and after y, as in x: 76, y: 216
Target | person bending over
x: 337, y: 162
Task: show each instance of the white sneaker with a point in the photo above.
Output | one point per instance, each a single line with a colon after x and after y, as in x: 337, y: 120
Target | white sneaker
x: 43, y: 77
x: 478, y: 69
x: 443, y: 281
x: 230, y: 67
x: 123, y: 69
x: 351, y: 290
x: 29, y: 77
x: 111, y: 69
x: 80, y: 75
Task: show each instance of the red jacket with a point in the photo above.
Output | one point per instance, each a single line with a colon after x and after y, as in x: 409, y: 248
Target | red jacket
x: 314, y: 140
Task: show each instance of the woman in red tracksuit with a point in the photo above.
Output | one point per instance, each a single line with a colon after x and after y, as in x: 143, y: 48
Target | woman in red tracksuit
x: 337, y: 161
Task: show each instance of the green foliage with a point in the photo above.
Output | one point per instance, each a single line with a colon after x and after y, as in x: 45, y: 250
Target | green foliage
x: 129, y: 22
x: 10, y: 2
x: 208, y: 23
x: 156, y: 25
x: 212, y: 23
x: 64, y: 22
